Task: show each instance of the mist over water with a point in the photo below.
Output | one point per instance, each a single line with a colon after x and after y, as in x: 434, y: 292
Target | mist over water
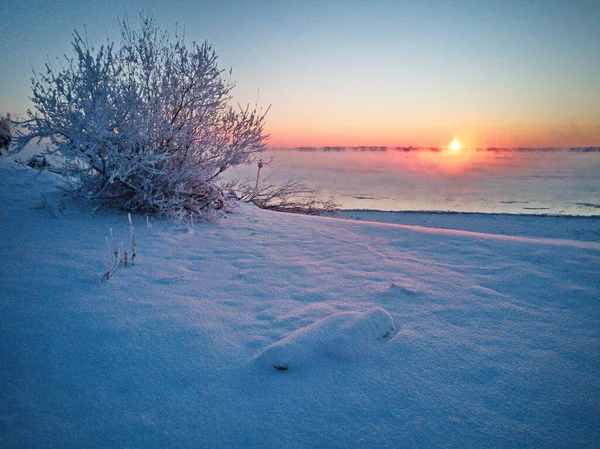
x: 515, y: 181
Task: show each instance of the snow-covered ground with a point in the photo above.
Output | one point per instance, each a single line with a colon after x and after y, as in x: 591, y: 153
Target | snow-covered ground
x: 274, y: 330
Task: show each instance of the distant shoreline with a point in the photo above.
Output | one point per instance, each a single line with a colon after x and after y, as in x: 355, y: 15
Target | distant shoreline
x: 584, y: 149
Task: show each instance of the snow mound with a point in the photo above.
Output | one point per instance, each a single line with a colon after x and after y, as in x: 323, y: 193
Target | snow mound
x: 344, y: 335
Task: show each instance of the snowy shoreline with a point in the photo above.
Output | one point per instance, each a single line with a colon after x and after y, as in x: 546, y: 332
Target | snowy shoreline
x: 586, y: 228
x: 280, y: 330
x: 452, y: 212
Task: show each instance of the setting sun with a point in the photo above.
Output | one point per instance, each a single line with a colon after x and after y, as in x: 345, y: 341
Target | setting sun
x: 455, y: 145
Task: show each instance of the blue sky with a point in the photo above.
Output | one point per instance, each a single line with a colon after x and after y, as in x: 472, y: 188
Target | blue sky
x: 504, y: 73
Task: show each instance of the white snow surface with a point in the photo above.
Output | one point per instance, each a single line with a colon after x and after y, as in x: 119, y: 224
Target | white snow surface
x: 394, y: 335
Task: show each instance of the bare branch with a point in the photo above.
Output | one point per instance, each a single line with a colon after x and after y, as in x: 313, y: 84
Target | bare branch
x: 291, y: 196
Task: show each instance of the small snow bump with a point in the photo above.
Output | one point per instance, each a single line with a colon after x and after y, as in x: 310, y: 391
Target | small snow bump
x: 342, y: 336
x: 403, y: 289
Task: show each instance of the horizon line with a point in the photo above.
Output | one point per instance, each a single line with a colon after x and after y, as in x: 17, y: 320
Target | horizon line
x: 585, y: 148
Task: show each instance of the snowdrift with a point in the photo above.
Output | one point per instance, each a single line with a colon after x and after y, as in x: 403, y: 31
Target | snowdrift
x: 344, y: 335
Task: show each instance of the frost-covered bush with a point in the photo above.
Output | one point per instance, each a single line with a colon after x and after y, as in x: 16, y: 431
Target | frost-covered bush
x: 146, y: 126
x: 5, y: 133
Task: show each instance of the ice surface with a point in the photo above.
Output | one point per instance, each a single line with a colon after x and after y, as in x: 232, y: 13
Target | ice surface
x: 496, y: 343
x: 538, y: 181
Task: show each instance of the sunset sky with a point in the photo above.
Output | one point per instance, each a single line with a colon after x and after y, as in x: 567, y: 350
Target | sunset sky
x: 489, y: 73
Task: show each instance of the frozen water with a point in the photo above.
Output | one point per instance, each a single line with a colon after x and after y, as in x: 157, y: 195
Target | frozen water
x: 539, y: 182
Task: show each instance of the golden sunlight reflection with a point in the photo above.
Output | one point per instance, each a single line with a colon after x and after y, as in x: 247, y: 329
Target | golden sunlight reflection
x: 454, y: 160
x: 455, y: 145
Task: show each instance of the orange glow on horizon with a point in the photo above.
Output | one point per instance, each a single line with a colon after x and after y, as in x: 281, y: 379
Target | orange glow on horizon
x: 311, y: 135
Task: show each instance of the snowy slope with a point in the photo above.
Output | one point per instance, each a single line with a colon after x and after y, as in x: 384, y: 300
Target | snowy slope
x: 495, y: 339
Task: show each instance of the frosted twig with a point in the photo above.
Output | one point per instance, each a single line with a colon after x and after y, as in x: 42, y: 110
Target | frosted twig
x: 115, y: 257
x: 133, y: 243
x: 149, y: 225
x: 54, y: 213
